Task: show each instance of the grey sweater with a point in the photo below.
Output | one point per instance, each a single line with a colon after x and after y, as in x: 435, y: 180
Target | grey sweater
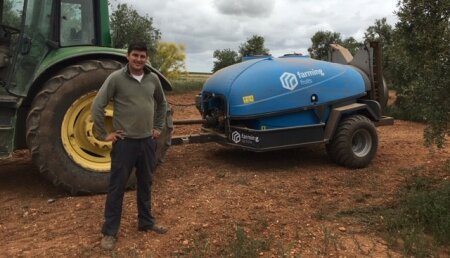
x: 134, y: 104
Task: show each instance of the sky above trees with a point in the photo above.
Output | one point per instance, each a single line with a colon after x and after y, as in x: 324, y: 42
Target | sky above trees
x: 286, y: 25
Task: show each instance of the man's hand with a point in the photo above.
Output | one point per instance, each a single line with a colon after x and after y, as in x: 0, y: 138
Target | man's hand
x: 155, y: 133
x: 114, y: 136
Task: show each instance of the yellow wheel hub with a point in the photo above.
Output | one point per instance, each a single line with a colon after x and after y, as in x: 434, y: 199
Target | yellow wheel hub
x: 78, y: 137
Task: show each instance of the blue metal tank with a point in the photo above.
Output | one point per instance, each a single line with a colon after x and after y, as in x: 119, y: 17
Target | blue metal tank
x: 281, y: 92
x: 267, y: 104
x: 259, y: 89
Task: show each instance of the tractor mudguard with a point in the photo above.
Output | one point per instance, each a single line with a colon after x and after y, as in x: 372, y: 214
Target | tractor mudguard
x: 370, y: 109
x: 64, y: 57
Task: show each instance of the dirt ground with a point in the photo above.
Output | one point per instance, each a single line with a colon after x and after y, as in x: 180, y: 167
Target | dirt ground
x: 204, y: 192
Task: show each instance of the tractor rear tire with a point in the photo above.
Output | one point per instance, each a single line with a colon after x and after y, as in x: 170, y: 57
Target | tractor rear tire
x: 59, y: 129
x: 355, y: 142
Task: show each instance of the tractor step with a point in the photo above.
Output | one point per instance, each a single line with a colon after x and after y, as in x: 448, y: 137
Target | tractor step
x: 7, y: 125
x: 6, y: 135
x: 8, y: 101
x: 385, y: 120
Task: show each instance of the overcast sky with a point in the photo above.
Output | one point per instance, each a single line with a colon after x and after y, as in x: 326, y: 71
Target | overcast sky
x: 287, y: 25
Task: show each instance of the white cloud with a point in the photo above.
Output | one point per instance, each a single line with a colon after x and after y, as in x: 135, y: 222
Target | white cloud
x: 287, y: 25
x: 251, y: 8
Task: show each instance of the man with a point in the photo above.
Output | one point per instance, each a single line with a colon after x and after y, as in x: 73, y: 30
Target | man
x: 139, y: 115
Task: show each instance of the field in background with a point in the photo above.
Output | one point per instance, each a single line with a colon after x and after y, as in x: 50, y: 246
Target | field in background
x: 195, y: 76
x: 192, y: 81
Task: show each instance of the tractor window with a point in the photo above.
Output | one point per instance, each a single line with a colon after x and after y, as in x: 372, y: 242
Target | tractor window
x: 33, y: 46
x: 10, y: 27
x: 77, y: 23
x: 38, y: 19
x: 12, y: 13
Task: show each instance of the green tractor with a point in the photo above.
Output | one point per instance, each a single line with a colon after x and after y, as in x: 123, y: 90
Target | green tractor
x: 54, y: 56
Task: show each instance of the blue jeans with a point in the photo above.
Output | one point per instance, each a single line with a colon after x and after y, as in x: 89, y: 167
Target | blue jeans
x: 125, y: 155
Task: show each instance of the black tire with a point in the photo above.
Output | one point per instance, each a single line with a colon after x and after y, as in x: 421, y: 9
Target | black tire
x: 355, y: 142
x: 45, y: 123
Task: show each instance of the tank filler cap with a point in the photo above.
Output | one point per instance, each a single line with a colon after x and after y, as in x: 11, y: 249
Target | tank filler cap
x: 294, y: 55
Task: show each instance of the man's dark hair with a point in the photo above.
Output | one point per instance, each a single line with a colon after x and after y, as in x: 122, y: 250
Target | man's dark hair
x: 137, y: 45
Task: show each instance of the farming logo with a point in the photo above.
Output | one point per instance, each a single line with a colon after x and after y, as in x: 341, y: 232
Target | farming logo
x: 236, y: 137
x: 289, y: 81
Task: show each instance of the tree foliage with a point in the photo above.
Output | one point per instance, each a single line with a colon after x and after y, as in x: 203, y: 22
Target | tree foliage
x: 127, y: 25
x: 352, y: 44
x: 169, y: 59
x: 224, y: 58
x: 382, y: 32
x: 253, y: 46
x: 416, y: 60
x: 421, y: 64
x: 321, y: 41
x: 11, y: 16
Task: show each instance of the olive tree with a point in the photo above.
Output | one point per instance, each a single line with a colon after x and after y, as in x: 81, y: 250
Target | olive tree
x: 321, y: 41
x: 128, y: 25
x: 224, y: 58
x: 169, y: 59
x: 421, y: 64
x: 382, y: 32
x: 253, y: 46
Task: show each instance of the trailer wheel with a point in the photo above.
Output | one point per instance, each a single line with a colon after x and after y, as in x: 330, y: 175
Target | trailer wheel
x: 59, y: 129
x: 355, y: 142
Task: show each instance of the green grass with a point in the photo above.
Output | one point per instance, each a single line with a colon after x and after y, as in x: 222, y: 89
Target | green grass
x: 324, y: 212
x: 247, y: 246
x: 182, y: 86
x: 329, y: 242
x: 420, y: 220
x: 242, y: 245
x: 416, y: 223
x: 189, y: 82
x: 201, y: 248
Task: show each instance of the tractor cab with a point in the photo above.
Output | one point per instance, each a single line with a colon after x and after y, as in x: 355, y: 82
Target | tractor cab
x: 31, y: 29
x: 54, y: 56
x: 10, y: 29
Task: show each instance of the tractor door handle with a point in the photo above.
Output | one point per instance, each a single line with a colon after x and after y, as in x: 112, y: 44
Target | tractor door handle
x: 26, y: 45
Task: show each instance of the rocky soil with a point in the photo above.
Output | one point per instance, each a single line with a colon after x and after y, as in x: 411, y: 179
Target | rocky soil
x: 290, y: 202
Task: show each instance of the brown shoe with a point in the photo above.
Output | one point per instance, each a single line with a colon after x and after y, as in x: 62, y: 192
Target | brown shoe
x: 156, y: 228
x: 108, y: 242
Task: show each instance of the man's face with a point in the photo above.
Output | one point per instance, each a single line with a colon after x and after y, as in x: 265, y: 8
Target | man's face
x: 137, y: 60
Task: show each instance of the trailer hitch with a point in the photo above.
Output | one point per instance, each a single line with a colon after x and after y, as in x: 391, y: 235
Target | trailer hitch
x: 203, y: 137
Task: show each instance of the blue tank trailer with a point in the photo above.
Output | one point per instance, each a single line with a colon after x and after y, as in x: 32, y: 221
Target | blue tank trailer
x: 268, y: 103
